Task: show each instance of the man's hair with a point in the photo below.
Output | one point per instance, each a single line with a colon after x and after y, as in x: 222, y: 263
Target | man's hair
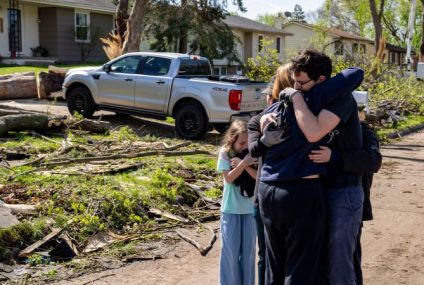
x: 314, y: 63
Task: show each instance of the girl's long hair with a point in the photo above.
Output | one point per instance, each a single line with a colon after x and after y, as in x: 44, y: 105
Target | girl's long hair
x: 283, y: 80
x: 236, y: 128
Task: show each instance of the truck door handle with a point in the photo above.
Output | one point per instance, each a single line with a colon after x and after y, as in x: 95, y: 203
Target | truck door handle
x: 160, y: 82
x: 128, y: 79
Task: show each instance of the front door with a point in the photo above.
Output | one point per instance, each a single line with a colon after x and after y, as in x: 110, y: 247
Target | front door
x: 15, y: 32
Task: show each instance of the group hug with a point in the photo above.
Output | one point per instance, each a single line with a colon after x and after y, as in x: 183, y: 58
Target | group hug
x: 297, y: 180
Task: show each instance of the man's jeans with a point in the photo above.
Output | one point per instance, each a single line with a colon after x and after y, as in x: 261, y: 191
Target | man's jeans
x: 238, y: 238
x: 344, y: 221
x: 261, y: 246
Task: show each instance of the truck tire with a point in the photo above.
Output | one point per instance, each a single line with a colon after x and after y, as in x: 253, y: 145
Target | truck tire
x: 80, y: 101
x: 191, y: 122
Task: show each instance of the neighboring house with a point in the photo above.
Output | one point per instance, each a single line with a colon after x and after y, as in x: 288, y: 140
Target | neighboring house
x: 337, y: 42
x: 65, y: 28
x: 250, y: 33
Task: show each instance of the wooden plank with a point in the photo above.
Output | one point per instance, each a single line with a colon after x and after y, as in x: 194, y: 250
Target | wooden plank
x: 30, y: 249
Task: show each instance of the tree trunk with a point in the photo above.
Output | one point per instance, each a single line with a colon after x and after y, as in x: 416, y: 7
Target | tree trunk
x: 121, y: 18
x: 23, y: 122
x: 135, y: 26
x: 18, y: 86
x: 421, y: 59
x: 376, y: 19
x: 182, y: 48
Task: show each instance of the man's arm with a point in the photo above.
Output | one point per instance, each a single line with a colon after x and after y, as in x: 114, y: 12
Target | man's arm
x: 338, y: 86
x: 313, y: 127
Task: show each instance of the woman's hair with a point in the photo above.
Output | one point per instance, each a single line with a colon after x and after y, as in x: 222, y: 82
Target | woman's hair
x: 231, y: 135
x: 283, y: 80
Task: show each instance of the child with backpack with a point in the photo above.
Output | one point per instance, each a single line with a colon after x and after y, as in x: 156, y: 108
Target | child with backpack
x: 238, y: 232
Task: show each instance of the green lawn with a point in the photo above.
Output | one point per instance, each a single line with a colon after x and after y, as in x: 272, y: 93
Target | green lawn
x: 8, y: 69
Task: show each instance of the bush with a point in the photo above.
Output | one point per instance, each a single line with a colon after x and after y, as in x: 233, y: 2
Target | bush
x: 39, y: 51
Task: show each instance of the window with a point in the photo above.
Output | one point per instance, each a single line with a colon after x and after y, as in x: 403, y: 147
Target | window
x: 195, y: 67
x: 260, y: 43
x: 278, y: 45
x: 1, y: 25
x: 156, y: 66
x: 393, y: 57
x: 338, y: 47
x: 362, y: 48
x: 82, y: 27
x: 127, y: 64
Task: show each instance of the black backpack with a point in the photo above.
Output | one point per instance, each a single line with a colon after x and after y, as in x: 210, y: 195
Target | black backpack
x: 245, y: 181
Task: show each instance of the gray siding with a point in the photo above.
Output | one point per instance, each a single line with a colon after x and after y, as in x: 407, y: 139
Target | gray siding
x: 48, y: 30
x: 57, y: 34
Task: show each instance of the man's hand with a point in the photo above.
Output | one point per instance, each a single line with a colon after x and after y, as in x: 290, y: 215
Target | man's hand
x: 287, y: 94
x: 272, y: 137
x: 267, y: 119
x: 322, y: 155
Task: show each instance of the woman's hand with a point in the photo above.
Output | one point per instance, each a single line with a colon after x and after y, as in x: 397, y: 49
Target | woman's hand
x: 267, y: 119
x: 322, y: 155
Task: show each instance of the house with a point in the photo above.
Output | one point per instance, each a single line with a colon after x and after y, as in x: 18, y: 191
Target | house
x: 337, y: 42
x: 251, y: 35
x: 65, y: 28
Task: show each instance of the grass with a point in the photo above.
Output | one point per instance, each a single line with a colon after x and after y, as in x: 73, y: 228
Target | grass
x: 9, y: 69
x: 412, y: 120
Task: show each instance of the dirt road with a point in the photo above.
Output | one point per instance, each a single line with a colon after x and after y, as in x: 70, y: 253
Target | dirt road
x: 393, y: 243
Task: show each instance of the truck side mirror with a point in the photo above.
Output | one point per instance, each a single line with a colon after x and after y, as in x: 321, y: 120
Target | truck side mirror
x: 106, y: 68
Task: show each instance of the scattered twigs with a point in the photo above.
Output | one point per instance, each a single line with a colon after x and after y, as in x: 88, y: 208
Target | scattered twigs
x: 64, y: 161
x: 203, y: 251
x: 168, y: 215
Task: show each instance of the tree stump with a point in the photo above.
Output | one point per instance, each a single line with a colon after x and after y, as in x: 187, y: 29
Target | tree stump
x: 18, y: 86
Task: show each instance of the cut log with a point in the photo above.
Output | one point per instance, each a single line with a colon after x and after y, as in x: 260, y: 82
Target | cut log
x: 23, y: 122
x: 22, y: 209
x: 168, y: 215
x: 48, y: 83
x: 58, y: 70
x: 91, y: 126
x: 18, y: 86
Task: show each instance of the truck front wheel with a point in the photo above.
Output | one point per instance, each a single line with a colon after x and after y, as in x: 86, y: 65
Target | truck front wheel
x: 191, y: 122
x: 80, y: 101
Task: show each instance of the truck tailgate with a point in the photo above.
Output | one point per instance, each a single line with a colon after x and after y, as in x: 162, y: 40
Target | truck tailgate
x: 252, y: 99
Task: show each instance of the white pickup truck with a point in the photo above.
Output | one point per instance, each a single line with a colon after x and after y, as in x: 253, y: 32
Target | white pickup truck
x: 164, y: 84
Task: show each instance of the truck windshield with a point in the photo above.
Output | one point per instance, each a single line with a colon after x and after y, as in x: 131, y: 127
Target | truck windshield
x: 194, y: 67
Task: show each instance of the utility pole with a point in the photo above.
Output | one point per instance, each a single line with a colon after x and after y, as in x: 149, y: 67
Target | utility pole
x: 411, y: 23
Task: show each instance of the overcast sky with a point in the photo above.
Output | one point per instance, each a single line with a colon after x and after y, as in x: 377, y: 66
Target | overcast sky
x: 256, y: 7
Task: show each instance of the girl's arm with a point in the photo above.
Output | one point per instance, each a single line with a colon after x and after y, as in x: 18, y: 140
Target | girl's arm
x: 253, y: 172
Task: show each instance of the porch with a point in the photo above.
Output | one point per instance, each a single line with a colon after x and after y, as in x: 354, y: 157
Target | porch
x: 34, y: 61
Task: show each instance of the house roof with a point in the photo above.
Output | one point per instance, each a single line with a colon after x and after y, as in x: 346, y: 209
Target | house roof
x: 105, y: 6
x: 334, y: 32
x: 394, y: 48
x: 250, y: 25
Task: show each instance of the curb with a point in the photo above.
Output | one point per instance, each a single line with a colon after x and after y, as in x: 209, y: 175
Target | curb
x: 405, y: 132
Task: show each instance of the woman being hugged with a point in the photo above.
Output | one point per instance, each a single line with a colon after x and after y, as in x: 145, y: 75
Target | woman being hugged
x: 238, y: 232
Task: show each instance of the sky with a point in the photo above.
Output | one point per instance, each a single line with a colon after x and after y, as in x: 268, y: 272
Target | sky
x: 256, y: 7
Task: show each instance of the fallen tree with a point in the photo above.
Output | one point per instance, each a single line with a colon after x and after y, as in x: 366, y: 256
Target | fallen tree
x: 18, y: 86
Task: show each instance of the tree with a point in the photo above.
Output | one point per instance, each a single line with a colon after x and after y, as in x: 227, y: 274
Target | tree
x: 263, y: 66
x: 298, y: 15
x: 271, y: 19
x: 198, y: 22
x: 376, y: 19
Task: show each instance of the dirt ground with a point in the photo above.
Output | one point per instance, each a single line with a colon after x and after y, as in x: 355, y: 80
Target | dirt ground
x: 393, y: 243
